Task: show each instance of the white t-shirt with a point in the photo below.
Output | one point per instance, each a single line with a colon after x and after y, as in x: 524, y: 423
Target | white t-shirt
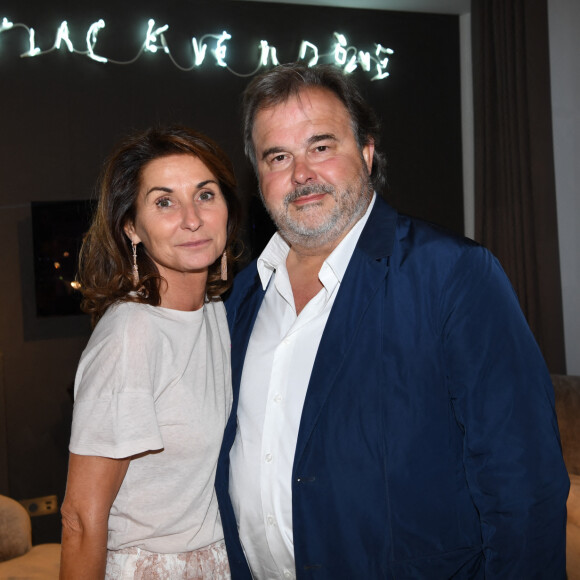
x: 157, y: 380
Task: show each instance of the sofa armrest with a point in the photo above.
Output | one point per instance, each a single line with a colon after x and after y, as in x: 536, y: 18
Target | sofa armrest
x: 15, y: 529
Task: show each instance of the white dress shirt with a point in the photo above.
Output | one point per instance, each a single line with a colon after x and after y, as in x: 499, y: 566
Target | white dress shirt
x: 275, y: 378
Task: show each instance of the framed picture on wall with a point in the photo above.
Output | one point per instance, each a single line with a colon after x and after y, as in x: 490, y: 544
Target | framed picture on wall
x: 58, y: 228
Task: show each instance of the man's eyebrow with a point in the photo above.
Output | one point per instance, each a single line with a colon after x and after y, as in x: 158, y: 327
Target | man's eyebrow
x: 271, y: 151
x: 324, y: 137
x: 309, y: 142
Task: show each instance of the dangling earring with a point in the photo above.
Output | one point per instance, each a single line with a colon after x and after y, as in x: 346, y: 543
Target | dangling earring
x: 135, y: 267
x: 224, y: 266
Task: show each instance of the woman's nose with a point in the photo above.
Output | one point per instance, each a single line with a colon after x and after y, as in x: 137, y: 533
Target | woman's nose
x: 191, y: 218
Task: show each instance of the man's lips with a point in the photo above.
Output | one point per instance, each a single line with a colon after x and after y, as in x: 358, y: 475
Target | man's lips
x: 313, y: 197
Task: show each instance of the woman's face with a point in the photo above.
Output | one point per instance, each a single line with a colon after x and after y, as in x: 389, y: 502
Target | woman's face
x: 181, y: 216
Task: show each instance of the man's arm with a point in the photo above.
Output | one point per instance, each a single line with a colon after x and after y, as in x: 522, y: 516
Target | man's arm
x: 503, y: 398
x: 92, y: 485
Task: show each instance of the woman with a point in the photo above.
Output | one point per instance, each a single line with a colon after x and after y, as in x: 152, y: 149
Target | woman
x: 153, y: 392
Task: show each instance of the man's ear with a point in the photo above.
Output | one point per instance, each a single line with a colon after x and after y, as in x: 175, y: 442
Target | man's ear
x: 130, y: 232
x: 368, y: 152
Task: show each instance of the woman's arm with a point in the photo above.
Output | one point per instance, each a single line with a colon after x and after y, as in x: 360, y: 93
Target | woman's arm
x: 92, y: 485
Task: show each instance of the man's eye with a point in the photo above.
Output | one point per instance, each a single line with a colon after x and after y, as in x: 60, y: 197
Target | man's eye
x: 321, y: 148
x: 278, y: 158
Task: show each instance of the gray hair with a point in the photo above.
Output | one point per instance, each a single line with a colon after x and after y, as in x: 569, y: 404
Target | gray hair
x: 277, y: 85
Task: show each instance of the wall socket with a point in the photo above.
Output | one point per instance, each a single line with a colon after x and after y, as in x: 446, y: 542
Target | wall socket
x: 41, y: 506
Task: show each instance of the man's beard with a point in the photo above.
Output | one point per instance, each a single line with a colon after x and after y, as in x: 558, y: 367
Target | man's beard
x: 350, y: 204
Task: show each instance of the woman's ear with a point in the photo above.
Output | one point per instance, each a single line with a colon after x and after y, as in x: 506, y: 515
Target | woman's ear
x: 130, y: 232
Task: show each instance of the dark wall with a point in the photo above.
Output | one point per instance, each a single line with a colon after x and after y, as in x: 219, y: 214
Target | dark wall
x: 62, y: 112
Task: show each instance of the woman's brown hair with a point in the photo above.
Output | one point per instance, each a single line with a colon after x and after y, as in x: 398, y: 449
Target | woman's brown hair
x: 106, y: 259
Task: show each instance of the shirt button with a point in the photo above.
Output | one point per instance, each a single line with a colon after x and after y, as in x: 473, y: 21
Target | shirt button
x: 277, y: 398
x: 268, y: 457
x: 288, y: 574
x: 270, y: 520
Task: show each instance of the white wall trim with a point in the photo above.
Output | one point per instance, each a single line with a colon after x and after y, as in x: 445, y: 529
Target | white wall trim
x: 564, y: 23
x: 467, y: 134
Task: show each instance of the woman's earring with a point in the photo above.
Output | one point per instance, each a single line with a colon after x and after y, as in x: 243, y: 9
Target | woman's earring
x: 224, y: 266
x: 135, y: 267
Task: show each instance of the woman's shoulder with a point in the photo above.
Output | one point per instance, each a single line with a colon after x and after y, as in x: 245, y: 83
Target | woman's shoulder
x: 121, y: 322
x: 122, y: 313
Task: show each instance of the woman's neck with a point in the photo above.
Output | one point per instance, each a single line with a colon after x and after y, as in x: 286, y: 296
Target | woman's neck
x: 183, y: 291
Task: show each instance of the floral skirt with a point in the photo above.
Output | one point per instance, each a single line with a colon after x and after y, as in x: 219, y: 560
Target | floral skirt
x: 209, y: 563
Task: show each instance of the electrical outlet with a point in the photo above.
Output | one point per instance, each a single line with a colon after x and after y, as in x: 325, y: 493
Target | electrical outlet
x: 41, y: 506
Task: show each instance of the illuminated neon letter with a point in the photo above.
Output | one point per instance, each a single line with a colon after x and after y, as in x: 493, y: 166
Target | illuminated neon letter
x: 365, y: 60
x: 62, y: 35
x: 382, y: 64
x: 339, y: 50
x: 6, y: 25
x: 304, y: 47
x: 351, y: 64
x: 32, y: 51
x: 92, y: 40
x: 198, y: 50
x: 151, y: 40
x: 220, y: 50
x: 268, y: 50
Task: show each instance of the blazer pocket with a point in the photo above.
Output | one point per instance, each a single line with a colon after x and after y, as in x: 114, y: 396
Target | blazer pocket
x: 461, y: 564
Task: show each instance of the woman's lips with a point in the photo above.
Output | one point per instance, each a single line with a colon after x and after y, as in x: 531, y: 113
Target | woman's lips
x: 194, y: 244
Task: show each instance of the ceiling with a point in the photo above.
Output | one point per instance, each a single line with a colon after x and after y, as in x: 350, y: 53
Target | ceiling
x: 432, y: 6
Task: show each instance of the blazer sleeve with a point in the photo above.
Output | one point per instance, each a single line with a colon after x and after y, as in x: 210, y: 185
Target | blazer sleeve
x: 502, y: 398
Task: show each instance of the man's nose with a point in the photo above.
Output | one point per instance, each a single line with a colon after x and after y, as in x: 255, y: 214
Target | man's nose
x: 302, y: 172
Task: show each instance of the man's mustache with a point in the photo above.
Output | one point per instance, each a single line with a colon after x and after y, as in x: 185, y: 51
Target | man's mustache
x: 305, y: 190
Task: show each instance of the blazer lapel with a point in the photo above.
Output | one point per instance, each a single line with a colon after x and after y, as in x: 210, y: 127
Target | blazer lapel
x: 241, y: 322
x: 365, y: 274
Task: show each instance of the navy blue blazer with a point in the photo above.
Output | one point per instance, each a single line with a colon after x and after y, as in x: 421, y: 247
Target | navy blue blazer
x: 428, y: 445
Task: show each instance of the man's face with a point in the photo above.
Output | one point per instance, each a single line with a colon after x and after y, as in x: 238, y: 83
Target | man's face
x: 314, y: 180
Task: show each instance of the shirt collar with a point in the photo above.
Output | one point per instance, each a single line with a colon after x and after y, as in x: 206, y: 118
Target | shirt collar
x: 276, y: 252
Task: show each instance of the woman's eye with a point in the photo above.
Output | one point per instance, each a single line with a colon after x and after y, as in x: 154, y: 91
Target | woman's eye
x: 163, y: 202
x: 206, y: 195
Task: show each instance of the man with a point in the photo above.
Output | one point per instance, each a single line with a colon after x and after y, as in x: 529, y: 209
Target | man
x: 393, y: 416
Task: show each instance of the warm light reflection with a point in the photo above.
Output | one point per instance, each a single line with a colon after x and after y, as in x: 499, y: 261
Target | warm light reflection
x: 76, y: 285
x: 56, y: 265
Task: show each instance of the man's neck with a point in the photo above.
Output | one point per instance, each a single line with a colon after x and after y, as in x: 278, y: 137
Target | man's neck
x: 303, y: 274
x: 304, y: 262
x: 303, y: 265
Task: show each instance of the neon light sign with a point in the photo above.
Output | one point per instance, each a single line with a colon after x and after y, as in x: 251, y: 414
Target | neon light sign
x: 342, y: 55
